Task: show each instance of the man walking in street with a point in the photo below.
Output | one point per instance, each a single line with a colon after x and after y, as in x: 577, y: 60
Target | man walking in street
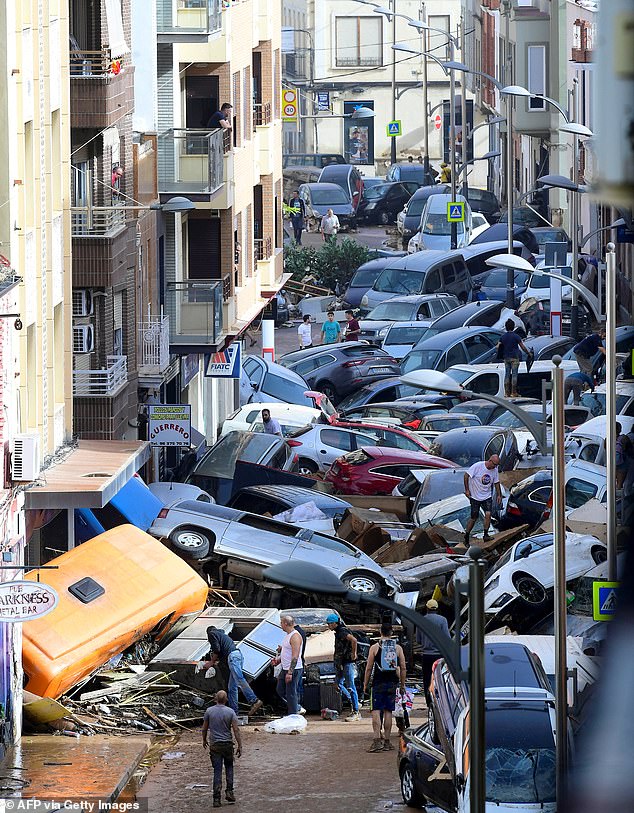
x: 352, y: 328
x: 297, y: 216
x: 220, y: 119
x: 330, y: 331
x: 577, y: 383
x: 384, y: 671
x: 222, y: 648
x: 305, y: 333
x: 479, y: 482
x: 508, y: 349
x: 290, y: 659
x: 221, y: 724
x: 430, y: 650
x: 345, y: 659
x: 271, y: 425
x: 329, y: 226
x: 585, y: 350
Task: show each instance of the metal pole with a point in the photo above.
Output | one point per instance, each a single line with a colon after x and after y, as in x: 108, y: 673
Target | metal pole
x: 559, y: 531
x: 510, y: 275
x: 610, y: 404
x: 463, y: 110
x: 477, y: 776
x: 427, y: 178
x: 452, y: 139
x: 575, y: 202
x: 393, y: 139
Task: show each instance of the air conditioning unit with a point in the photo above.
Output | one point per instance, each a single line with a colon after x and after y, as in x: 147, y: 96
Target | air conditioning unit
x: 83, y: 339
x: 25, y: 457
x: 82, y: 302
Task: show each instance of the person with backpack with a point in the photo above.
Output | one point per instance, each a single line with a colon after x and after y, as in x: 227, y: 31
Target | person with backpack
x: 345, y: 658
x: 384, y: 671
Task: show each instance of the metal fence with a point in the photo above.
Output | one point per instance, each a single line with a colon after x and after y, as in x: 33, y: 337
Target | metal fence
x: 104, y: 382
x: 153, y: 343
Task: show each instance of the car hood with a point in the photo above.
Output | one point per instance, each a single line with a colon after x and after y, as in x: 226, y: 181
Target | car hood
x: 340, y: 209
x: 371, y: 325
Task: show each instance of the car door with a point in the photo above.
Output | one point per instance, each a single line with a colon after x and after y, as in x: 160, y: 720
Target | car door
x: 257, y: 539
x: 455, y: 355
x: 251, y: 378
x: 479, y: 348
x: 335, y: 441
x: 432, y: 771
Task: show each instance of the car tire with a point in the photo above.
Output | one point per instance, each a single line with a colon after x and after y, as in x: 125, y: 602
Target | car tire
x: 529, y: 589
x: 192, y: 542
x: 306, y: 467
x: 328, y: 390
x: 362, y: 582
x: 411, y: 796
x: 599, y: 555
x: 384, y: 219
x: 433, y: 730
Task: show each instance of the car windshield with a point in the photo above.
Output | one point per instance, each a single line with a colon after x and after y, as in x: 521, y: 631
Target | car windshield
x: 443, y: 424
x: 329, y: 197
x: 392, y: 311
x: 409, y: 486
x: 497, y: 278
x: 399, y: 281
x: 405, y: 335
x: 510, y: 421
x: 420, y: 360
x: 438, y: 486
x: 288, y: 391
x: 456, y: 519
x: 595, y: 402
x: 220, y: 460
x: 438, y: 224
x: 520, y: 754
x: 458, y: 375
x: 542, y: 281
x: 551, y: 236
x: 377, y: 191
x: 459, y: 453
x: 364, y: 276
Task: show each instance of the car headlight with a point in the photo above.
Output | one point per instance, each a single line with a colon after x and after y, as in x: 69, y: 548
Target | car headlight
x: 501, y: 601
x: 383, y: 332
x: 492, y: 585
x: 364, y: 300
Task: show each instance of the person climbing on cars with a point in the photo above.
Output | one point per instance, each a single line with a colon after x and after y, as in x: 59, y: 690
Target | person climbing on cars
x: 222, y: 648
x: 479, y: 483
x: 509, y: 350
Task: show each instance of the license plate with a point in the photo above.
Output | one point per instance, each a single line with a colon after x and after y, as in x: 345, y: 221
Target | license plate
x: 379, y: 370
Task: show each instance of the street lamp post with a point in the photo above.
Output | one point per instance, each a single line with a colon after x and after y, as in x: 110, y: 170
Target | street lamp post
x: 610, y: 404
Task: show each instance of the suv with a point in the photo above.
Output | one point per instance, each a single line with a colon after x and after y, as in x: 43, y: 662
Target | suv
x: 348, y: 178
x: 409, y: 172
x: 408, y: 221
x: 419, y: 307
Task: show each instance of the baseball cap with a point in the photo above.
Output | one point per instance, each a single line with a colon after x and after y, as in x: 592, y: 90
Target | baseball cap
x: 432, y: 604
x: 332, y: 618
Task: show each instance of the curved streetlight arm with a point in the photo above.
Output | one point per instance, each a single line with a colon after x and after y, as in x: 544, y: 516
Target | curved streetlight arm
x: 616, y: 224
x: 492, y: 123
x: 585, y: 293
x: 413, y: 52
x: 424, y: 27
x: 537, y: 430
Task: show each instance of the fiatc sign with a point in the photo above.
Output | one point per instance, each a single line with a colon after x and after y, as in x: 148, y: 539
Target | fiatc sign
x: 169, y: 424
x: 225, y: 364
x: 25, y: 600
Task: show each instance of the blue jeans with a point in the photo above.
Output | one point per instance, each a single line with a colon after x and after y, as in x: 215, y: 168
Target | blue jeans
x: 289, y: 691
x: 222, y: 755
x: 346, y: 676
x: 510, y: 375
x: 238, y: 680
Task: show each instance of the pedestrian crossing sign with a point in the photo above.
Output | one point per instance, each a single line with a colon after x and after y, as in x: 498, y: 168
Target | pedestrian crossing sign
x: 394, y: 128
x: 604, y: 600
x: 455, y: 212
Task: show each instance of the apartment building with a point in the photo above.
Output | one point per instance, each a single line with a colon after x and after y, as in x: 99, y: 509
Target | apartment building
x: 221, y: 261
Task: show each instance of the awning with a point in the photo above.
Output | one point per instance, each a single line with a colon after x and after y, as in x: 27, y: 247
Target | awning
x: 237, y: 328
x: 90, y: 476
x: 116, y: 37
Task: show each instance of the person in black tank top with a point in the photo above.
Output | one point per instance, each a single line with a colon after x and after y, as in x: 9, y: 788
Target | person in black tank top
x: 386, y: 668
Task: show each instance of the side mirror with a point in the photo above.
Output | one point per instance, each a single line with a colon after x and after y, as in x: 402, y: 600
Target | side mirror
x: 459, y: 782
x: 255, y: 387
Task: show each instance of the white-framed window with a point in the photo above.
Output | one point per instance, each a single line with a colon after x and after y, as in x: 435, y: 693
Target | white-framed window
x: 536, y: 73
x: 437, y: 43
x: 359, y: 42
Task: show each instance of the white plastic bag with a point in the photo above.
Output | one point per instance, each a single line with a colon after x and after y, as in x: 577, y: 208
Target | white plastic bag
x: 291, y: 724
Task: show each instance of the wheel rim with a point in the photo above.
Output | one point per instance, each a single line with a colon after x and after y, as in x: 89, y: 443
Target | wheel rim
x: 407, y: 784
x: 600, y: 556
x: 305, y: 471
x: 362, y: 584
x: 188, y: 539
x: 531, y: 591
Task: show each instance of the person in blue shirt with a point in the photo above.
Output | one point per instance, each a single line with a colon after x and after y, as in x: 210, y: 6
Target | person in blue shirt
x: 331, y: 331
x: 576, y: 383
x: 509, y: 351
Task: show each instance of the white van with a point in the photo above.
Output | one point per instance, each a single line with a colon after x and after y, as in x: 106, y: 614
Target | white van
x: 488, y: 379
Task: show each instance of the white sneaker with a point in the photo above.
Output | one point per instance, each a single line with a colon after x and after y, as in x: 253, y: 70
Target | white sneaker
x: 354, y: 717
x: 302, y: 710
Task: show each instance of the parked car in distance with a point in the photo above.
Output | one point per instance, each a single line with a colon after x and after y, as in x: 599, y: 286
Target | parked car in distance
x: 262, y: 381
x: 545, y: 234
x: 382, y: 203
x: 245, y: 543
x: 467, y: 446
x: 482, y: 201
x: 289, y: 416
x: 412, y: 172
x: 348, y: 177
x: 319, y: 197
x: 340, y: 369
x: 443, y: 350
x: 498, y: 232
x: 401, y: 337
x: 408, y: 415
x: 277, y: 499
x: 363, y: 279
x: 316, y: 159
x: 493, y: 284
x: 524, y: 216
x: 487, y: 411
x: 372, y: 471
x: 408, y: 220
x: 435, y: 229
x: 475, y: 314
x: 478, y: 224
x: 415, y: 307
x: 293, y: 177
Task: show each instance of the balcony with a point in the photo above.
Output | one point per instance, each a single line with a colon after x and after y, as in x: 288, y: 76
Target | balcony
x: 8, y: 279
x: 153, y: 344
x: 101, y: 383
x: 192, y: 161
x: 262, y: 114
x: 194, y: 309
x: 188, y: 20
x: 100, y: 88
x: 262, y: 249
x: 96, y: 221
x: 101, y: 245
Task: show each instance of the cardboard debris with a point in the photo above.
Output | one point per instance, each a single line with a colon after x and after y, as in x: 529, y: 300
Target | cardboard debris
x: 416, y: 544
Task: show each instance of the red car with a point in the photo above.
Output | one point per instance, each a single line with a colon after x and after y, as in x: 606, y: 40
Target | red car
x: 374, y: 471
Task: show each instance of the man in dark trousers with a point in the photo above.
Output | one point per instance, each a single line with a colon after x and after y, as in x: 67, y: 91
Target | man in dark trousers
x: 345, y: 658
x: 222, y: 648
x: 297, y: 217
x: 585, y: 351
x: 384, y: 671
x: 508, y: 348
x: 221, y: 723
x: 220, y: 119
x: 430, y: 650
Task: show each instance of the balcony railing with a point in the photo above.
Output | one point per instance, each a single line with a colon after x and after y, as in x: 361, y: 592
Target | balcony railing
x: 359, y: 62
x: 153, y: 342
x: 194, y: 308
x: 93, y: 65
x: 189, y: 17
x: 262, y: 248
x: 192, y: 160
x: 226, y: 288
x: 101, y: 383
x: 8, y: 279
x: 261, y: 114
x: 96, y: 221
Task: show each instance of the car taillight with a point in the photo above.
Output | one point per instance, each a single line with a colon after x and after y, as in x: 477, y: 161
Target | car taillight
x: 163, y: 513
x: 413, y: 424
x: 511, y: 508
x: 293, y: 443
x: 355, y: 363
x: 546, y: 515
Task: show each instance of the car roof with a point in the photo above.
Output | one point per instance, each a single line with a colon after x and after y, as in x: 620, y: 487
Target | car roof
x: 544, y: 365
x: 438, y: 203
x: 336, y: 169
x: 422, y: 323
x: 545, y: 341
x: 329, y: 187
x: 426, y: 191
x: 474, y: 249
x: 467, y: 310
x: 422, y: 260
x: 475, y: 433
x: 414, y: 298
x: 309, y: 352
x: 442, y: 340
x: 378, y: 264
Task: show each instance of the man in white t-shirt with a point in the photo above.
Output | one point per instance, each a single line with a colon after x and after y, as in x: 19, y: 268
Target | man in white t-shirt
x: 479, y: 482
x: 305, y: 333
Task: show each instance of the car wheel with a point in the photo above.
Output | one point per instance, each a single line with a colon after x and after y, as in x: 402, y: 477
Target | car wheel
x: 530, y: 589
x: 307, y: 467
x: 384, y: 219
x: 362, y: 582
x: 191, y: 541
x: 431, y: 722
x: 328, y: 390
x: 599, y: 555
x: 411, y: 796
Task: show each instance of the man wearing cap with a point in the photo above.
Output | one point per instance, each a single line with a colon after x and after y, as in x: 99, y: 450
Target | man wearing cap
x: 345, y: 657
x: 429, y: 648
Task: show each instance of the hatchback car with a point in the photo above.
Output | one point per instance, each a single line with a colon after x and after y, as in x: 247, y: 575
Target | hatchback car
x: 382, y: 203
x: 372, y: 471
x: 363, y: 279
x: 401, y: 337
x: 545, y: 347
x: 340, y: 369
x: 317, y: 447
x: 433, y: 425
x: 244, y: 544
x: 487, y: 411
x: 529, y: 501
x: 545, y: 234
x: 468, y: 446
x: 435, y: 229
x: 408, y: 221
x: 464, y: 344
x: 319, y: 197
x: 262, y: 380
x: 478, y: 314
x: 273, y: 499
x: 348, y: 177
x: 289, y: 416
x: 417, y: 307
x: 483, y: 201
x: 409, y: 171
x: 492, y: 284
x: 408, y: 414
x: 498, y: 232
x: 389, y: 389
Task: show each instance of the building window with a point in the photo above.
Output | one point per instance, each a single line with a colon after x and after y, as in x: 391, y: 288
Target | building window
x: 358, y: 42
x: 536, y: 75
x: 438, y: 43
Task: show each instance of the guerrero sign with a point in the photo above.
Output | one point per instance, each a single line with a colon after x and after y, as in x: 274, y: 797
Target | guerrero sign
x: 170, y: 425
x: 26, y: 600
